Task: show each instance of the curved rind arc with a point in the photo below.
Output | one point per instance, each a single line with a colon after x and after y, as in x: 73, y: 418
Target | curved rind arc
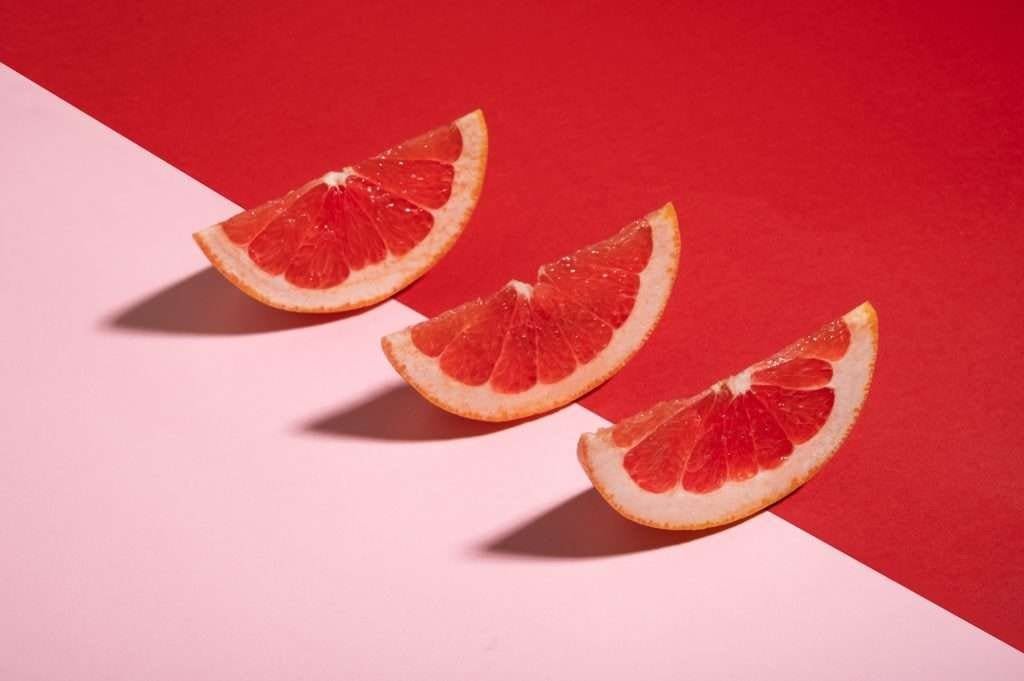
x: 372, y: 284
x: 678, y: 509
x: 484, y: 404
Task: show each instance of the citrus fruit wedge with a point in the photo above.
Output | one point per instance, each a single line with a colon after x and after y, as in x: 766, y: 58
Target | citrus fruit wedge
x: 354, y: 237
x: 528, y: 349
x: 742, y: 444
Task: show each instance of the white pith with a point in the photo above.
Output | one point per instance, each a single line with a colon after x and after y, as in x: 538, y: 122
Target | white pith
x: 378, y: 281
x: 336, y: 178
x: 484, y: 403
x: 679, y: 509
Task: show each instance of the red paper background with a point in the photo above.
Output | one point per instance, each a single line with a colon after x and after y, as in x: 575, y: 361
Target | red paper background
x: 818, y: 156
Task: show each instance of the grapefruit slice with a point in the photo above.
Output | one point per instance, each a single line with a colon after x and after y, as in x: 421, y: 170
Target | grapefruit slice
x: 354, y: 237
x: 742, y: 444
x: 528, y: 349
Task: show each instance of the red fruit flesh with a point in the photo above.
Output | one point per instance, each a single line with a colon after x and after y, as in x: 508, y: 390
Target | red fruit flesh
x: 702, y: 443
x: 317, y: 235
x: 523, y: 335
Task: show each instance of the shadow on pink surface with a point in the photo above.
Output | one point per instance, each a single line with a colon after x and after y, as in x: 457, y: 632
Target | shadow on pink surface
x: 584, y: 526
x: 204, y: 304
x: 375, y: 419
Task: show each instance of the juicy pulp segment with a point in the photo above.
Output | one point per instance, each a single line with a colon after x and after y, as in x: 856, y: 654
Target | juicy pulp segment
x: 524, y: 335
x: 731, y: 434
x: 318, y: 234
